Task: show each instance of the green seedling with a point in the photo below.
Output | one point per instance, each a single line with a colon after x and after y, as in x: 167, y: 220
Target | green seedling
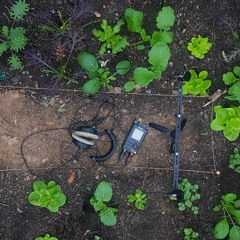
x: 13, y: 39
x: 228, y: 121
x: 232, y: 79
x: 102, y: 195
x: 234, y: 161
x: 197, y: 85
x: 139, y: 199
x: 99, y: 76
x: 190, y: 195
x: 199, y: 46
x: 110, y: 38
x: 229, y: 225
x: 48, y: 195
x: 189, y: 234
x: 46, y: 237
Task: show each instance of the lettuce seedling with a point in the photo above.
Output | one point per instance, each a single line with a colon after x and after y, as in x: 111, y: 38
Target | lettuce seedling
x: 190, y: 195
x: 229, y: 225
x: 199, y: 46
x: 228, y: 121
x: 102, y: 195
x: 232, y: 79
x: 48, y: 196
x: 12, y: 38
x: 109, y: 37
x: 234, y: 161
x: 139, y: 199
x: 189, y: 234
x: 46, y: 237
x: 197, y: 85
x: 99, y: 76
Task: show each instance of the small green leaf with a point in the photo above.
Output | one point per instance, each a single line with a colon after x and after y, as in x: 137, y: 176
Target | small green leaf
x: 38, y: 185
x: 15, y: 62
x: 234, y: 233
x: 87, y: 61
x: 91, y: 86
x: 230, y: 133
x: 234, y: 123
x: 142, y: 76
x: 123, y: 67
x: 19, y: 9
x: 108, y: 217
x: 221, y: 229
x: 230, y: 197
x: 134, y: 20
x: 229, y: 78
x: 129, y: 86
x: 236, y: 71
x: 103, y: 192
x: 165, y: 18
x: 237, y: 203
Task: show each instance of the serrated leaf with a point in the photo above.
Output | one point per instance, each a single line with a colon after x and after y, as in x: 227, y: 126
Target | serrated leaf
x: 142, y: 76
x: 134, y: 20
x: 165, y: 18
x: 18, y: 43
x: 3, y: 47
x: 103, y: 192
x: 91, y: 86
x: 19, y: 9
x: 87, y: 61
x: 119, y: 44
x: 229, y: 78
x: 236, y: 71
x: 123, y: 67
x: 221, y: 229
x: 5, y: 31
x: 117, y: 27
x: 15, y: 62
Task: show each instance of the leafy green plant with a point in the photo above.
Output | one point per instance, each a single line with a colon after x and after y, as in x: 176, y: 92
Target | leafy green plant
x: 12, y: 38
x: 99, y: 76
x: 46, y: 237
x: 189, y: 234
x: 232, y: 79
x: 228, y: 121
x: 229, y: 225
x: 102, y: 195
x: 139, y: 199
x: 197, y: 84
x: 110, y: 38
x: 199, y: 46
x: 47, y: 195
x: 190, y: 195
x: 234, y: 161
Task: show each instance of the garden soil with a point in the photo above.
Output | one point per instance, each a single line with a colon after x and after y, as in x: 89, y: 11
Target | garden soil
x: 36, y: 143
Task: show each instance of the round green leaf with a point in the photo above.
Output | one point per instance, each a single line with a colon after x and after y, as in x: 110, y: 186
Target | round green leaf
x: 87, y: 61
x: 230, y: 197
x: 38, y: 185
x: 216, y: 126
x: 221, y: 229
x: 103, y: 192
x: 165, y: 18
x: 235, y: 233
x: 237, y: 204
x: 123, y: 67
x: 108, y: 217
x: 203, y: 74
x: 236, y: 71
x: 235, y: 123
x: 230, y: 133
x: 91, y: 86
x: 34, y: 198
x: 129, y: 86
x: 143, y: 76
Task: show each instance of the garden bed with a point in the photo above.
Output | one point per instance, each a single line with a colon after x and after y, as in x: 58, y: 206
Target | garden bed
x: 38, y: 113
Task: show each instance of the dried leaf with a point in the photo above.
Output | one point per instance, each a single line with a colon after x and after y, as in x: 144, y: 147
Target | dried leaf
x: 71, y: 177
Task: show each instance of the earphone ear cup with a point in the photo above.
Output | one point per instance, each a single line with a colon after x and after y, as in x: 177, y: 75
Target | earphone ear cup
x: 82, y: 142
x: 86, y: 135
x: 112, y: 149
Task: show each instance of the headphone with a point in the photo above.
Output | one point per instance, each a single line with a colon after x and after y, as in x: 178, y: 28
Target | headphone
x: 84, y: 138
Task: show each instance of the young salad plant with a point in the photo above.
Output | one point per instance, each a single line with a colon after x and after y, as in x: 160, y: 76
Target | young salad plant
x: 48, y: 195
x: 13, y: 39
x: 46, y: 237
x: 189, y: 234
x: 99, y: 76
x: 102, y: 195
x: 139, y: 199
x: 228, y: 121
x: 110, y: 38
x: 234, y: 161
x: 190, y: 195
x: 232, y: 79
x: 197, y: 85
x: 229, y: 225
x: 199, y: 46
x: 159, y: 54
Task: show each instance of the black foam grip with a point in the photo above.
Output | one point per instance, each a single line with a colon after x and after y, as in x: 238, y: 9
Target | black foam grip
x: 111, y: 151
x: 159, y: 127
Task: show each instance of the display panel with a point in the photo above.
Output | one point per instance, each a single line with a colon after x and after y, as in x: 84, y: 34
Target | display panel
x: 137, y: 134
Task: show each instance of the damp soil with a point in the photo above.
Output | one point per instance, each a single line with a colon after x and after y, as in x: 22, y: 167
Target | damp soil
x: 38, y: 113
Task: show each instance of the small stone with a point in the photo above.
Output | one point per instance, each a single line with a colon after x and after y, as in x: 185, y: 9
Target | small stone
x: 170, y: 64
